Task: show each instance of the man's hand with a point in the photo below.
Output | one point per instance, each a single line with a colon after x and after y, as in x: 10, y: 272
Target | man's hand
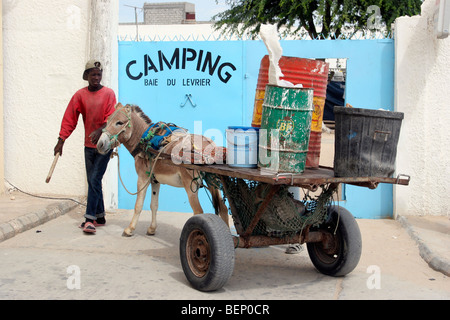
x: 95, y: 135
x: 59, y: 147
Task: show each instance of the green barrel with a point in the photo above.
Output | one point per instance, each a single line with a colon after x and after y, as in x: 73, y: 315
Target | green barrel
x: 285, y: 129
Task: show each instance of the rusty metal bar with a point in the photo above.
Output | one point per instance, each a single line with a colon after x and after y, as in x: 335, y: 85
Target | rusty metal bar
x: 263, y: 241
x: 262, y: 207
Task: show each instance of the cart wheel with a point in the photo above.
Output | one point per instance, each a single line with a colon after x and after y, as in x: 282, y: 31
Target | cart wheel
x: 206, y: 252
x: 342, y: 254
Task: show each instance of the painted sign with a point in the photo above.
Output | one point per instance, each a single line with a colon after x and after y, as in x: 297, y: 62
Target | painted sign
x: 183, y: 82
x: 195, y: 85
x: 181, y: 58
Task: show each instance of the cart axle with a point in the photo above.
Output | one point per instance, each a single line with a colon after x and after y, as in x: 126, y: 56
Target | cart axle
x: 264, y: 241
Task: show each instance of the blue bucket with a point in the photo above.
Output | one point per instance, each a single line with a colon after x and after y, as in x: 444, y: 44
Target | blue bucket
x: 242, y: 146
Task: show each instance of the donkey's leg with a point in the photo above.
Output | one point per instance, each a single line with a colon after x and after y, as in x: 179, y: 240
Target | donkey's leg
x: 141, y: 184
x: 187, y: 178
x: 154, y: 207
x: 193, y: 201
x: 219, y: 204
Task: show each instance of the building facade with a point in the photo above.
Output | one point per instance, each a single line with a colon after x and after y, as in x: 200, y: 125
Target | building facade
x: 169, y: 13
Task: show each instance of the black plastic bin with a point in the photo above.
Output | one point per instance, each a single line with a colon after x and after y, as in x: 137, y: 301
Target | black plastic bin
x: 365, y: 142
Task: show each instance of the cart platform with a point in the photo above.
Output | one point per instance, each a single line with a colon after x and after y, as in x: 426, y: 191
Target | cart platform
x: 309, y: 179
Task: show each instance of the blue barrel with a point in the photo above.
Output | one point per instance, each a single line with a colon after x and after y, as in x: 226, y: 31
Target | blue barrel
x: 242, y: 146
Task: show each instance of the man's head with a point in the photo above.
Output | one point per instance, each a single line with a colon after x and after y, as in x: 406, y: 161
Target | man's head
x: 93, y: 72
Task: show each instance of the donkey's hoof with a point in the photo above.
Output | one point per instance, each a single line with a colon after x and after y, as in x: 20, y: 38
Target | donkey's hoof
x: 151, y: 232
x: 127, y: 233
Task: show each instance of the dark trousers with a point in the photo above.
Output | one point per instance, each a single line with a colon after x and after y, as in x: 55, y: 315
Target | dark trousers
x: 96, y: 164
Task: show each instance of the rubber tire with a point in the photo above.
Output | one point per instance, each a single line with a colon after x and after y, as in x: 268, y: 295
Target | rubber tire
x: 348, y: 240
x: 221, y: 251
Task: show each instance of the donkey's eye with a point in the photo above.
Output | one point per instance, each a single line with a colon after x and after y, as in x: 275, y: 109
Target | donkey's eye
x: 119, y: 123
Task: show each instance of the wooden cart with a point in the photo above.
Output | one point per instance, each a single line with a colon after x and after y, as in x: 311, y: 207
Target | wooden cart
x: 333, y: 241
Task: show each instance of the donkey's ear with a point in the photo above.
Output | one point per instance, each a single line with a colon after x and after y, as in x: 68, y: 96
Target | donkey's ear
x: 118, y: 106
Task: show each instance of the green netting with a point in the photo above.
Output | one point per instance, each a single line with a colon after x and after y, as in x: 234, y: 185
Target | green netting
x: 283, y: 215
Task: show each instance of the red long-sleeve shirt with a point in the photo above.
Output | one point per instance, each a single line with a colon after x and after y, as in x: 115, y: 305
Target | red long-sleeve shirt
x: 95, y: 108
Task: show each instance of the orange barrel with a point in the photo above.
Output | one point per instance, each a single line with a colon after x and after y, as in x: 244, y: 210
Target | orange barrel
x: 311, y: 74
x: 313, y: 155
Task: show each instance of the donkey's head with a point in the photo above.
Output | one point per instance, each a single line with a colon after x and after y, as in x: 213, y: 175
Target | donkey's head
x: 118, y: 129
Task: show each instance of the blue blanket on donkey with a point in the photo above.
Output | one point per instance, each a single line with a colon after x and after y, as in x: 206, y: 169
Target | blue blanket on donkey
x: 155, y: 135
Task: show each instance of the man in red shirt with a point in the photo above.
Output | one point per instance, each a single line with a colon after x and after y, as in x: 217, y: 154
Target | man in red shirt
x: 95, y: 103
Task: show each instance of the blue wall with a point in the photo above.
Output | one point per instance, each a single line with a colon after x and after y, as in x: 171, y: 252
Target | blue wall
x: 224, y: 96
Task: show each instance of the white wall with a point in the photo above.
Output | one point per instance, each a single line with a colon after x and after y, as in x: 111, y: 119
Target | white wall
x: 2, y: 148
x: 422, y: 93
x: 45, y: 49
x: 188, y: 32
x: 104, y: 17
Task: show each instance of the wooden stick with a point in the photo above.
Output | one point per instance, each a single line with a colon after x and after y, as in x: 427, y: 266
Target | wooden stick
x: 52, y: 168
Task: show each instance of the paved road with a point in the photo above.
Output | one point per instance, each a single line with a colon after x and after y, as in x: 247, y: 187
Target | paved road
x: 57, y: 261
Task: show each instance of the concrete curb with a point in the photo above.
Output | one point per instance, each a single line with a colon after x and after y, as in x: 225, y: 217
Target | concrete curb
x: 434, y: 261
x: 28, y: 221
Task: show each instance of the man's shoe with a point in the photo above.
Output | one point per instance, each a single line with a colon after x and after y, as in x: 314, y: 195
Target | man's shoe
x: 95, y: 223
x: 89, y: 227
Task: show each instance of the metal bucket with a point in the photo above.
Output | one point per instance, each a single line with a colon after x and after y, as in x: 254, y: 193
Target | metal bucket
x: 308, y: 72
x: 285, y: 129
